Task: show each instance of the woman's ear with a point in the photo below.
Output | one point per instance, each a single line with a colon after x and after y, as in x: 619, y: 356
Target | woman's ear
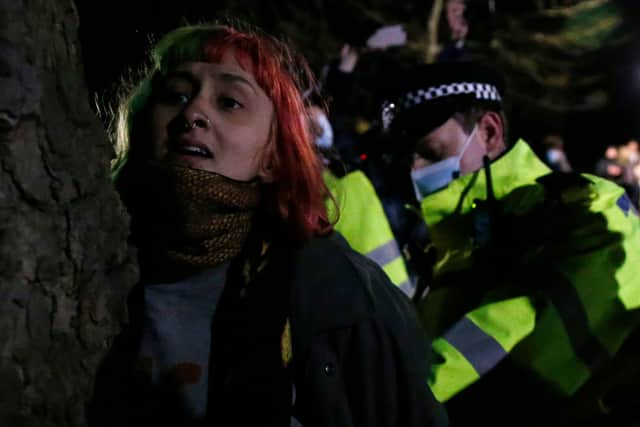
x: 268, y: 164
x: 266, y: 173
x: 492, y: 127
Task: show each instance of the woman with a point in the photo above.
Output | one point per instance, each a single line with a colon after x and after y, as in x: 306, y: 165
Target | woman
x: 249, y: 311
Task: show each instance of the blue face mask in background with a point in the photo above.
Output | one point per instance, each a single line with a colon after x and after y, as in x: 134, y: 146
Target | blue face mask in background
x: 433, y: 177
x: 326, y: 139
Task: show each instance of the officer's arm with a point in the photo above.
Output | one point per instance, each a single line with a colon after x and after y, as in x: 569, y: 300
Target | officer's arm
x: 477, y: 343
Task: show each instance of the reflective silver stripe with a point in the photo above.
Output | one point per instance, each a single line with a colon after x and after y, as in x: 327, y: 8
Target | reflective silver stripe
x: 480, y: 349
x: 408, y: 288
x: 385, y: 253
x: 294, y: 421
x: 293, y: 395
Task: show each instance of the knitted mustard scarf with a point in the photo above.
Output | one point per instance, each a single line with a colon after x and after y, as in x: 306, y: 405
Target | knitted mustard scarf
x: 186, y: 219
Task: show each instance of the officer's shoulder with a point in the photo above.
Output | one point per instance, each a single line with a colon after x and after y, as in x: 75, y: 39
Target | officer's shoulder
x: 357, y: 177
x: 568, y: 187
x: 604, y: 186
x: 574, y: 187
x: 556, y: 183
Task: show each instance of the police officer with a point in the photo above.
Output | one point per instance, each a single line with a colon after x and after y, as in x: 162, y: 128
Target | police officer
x: 535, y: 288
x: 361, y: 218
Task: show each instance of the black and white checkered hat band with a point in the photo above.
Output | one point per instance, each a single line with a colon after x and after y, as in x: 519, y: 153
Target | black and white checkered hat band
x: 482, y: 91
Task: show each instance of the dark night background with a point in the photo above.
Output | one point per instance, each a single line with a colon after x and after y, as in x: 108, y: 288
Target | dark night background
x: 115, y: 34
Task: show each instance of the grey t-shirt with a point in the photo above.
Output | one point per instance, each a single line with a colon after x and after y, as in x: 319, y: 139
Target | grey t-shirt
x: 177, y: 332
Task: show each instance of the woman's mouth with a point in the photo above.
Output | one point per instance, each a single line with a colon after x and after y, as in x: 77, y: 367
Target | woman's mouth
x: 192, y: 150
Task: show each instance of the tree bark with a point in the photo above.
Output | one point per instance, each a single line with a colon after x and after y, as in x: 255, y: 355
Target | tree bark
x: 65, y: 267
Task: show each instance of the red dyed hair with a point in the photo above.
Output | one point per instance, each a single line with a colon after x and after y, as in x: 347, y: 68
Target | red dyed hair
x: 298, y: 188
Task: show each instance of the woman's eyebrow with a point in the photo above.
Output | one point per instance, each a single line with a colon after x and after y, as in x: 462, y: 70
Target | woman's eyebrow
x: 182, y: 75
x: 235, y: 78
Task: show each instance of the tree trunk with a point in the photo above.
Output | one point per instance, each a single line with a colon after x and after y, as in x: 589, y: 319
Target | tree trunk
x: 65, y: 267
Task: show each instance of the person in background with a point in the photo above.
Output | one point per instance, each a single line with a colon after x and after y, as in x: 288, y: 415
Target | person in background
x: 339, y: 84
x: 250, y: 310
x: 534, y: 288
x: 609, y: 166
x: 359, y: 214
x: 617, y: 166
x: 634, y: 164
x: 554, y: 154
x: 453, y: 49
x: 630, y: 161
x: 634, y: 152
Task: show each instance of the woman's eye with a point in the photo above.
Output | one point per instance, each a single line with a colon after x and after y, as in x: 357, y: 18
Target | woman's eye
x: 178, y: 98
x: 228, y: 103
x: 173, y: 97
x: 182, y: 98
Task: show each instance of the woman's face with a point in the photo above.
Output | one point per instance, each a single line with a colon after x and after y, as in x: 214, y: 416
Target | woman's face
x: 213, y: 117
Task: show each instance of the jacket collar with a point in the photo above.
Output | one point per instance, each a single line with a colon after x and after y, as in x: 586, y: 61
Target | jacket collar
x: 516, y: 167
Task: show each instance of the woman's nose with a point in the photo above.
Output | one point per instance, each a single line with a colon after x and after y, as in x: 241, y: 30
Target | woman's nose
x: 197, y: 112
x: 196, y: 119
x: 185, y: 122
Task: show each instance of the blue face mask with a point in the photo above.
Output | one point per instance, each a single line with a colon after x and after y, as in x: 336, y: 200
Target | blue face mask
x: 326, y: 139
x: 433, y: 177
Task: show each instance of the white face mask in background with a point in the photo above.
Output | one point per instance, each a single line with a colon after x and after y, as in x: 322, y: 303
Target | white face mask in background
x: 438, y: 175
x: 326, y: 139
x: 555, y: 155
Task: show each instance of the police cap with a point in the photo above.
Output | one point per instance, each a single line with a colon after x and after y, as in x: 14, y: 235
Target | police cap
x: 425, y: 96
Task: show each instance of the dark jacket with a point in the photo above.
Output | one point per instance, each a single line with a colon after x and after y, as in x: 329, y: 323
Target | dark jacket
x: 359, y: 356
x: 364, y: 357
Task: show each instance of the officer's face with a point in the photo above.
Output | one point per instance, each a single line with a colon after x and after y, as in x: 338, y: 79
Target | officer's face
x: 448, y: 141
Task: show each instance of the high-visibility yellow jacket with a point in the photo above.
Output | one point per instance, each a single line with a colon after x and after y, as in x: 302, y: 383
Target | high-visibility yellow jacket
x: 364, y: 224
x: 554, y: 291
